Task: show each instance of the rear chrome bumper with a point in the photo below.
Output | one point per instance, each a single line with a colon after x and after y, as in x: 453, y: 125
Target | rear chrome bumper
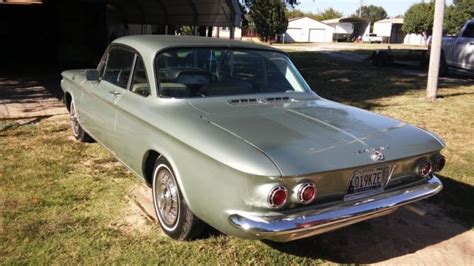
x: 307, y: 223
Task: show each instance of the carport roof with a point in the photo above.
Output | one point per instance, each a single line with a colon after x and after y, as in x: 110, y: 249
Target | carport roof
x: 347, y: 19
x: 391, y: 20
x: 179, y: 12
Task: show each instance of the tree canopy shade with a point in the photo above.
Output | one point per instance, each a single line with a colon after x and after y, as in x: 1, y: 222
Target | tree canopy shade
x: 419, y: 19
x: 457, y: 14
x: 269, y: 17
x: 372, y: 13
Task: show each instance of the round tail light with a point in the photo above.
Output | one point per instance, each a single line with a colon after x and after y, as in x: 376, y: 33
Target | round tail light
x: 438, y: 162
x: 424, y: 168
x: 306, y: 193
x: 277, y: 196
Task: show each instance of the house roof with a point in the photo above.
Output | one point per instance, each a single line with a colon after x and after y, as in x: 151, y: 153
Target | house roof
x: 344, y: 19
x: 391, y: 20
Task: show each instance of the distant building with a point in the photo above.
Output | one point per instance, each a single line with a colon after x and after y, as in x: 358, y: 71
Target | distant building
x: 391, y: 30
x: 306, y: 29
x: 224, y: 32
x: 348, y: 29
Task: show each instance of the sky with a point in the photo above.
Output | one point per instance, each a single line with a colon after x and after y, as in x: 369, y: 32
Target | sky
x: 348, y: 7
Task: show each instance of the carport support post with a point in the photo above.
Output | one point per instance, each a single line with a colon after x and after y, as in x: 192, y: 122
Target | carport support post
x: 435, y: 53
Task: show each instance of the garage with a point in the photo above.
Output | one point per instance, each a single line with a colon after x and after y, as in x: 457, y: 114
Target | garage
x: 293, y: 35
x: 306, y: 29
x: 317, y: 35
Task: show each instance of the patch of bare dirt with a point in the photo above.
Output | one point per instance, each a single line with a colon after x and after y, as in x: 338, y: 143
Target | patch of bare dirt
x: 134, y: 221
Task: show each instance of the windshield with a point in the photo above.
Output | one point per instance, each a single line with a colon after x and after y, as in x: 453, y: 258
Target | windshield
x: 208, y: 72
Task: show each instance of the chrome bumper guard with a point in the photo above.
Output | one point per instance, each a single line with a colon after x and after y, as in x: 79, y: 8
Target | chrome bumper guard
x: 307, y: 223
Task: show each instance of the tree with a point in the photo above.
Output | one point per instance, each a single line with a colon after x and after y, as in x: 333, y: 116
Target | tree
x: 291, y: 3
x: 329, y: 13
x: 372, y: 13
x: 269, y: 17
x: 419, y: 19
x: 296, y: 13
x: 457, y: 14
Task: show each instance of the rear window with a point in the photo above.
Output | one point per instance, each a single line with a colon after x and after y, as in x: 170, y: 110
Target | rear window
x: 208, y: 72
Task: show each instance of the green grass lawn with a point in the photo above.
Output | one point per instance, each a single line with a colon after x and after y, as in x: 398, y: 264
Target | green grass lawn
x: 65, y: 202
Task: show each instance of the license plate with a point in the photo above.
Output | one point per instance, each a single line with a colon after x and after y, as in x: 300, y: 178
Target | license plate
x: 364, y: 181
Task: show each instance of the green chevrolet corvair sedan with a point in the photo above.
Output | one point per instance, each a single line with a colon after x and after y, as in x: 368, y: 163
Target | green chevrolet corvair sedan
x: 228, y: 134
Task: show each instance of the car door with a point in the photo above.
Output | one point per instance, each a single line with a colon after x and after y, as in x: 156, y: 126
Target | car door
x: 464, y: 48
x: 132, y: 130
x: 100, y: 101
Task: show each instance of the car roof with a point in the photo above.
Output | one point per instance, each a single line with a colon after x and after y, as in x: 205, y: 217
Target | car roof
x: 153, y: 43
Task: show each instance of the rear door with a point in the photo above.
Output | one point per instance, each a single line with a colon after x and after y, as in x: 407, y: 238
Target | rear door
x: 464, y: 48
x: 132, y: 132
x: 102, y: 99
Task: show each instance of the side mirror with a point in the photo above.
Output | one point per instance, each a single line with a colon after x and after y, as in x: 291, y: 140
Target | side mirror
x: 92, y: 75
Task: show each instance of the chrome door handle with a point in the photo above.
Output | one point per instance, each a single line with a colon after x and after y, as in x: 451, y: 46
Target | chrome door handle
x: 115, y: 93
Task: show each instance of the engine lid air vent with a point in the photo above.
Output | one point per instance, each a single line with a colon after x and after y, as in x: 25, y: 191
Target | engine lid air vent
x: 242, y: 101
x: 277, y: 99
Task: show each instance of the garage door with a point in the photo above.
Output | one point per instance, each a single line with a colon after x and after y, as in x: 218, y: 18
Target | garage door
x: 293, y: 35
x: 317, y: 35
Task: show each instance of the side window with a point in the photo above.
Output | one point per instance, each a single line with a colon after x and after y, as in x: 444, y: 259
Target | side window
x: 119, y: 67
x: 140, y: 83
x: 469, y: 31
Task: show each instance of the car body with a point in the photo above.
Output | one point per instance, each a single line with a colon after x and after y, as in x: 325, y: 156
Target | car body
x: 230, y: 132
x: 458, y: 51
x: 372, y: 37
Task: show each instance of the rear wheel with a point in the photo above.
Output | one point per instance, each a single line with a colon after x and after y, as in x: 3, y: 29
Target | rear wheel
x: 77, y: 131
x: 175, y: 218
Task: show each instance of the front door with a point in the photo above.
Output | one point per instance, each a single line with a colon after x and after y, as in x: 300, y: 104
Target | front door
x: 100, y: 100
x: 464, y: 48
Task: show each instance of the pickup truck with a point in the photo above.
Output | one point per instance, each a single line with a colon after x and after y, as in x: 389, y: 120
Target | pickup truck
x: 458, y: 51
x: 372, y: 37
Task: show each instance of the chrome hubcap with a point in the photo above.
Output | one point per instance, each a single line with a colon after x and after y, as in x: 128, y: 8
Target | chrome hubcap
x: 167, y: 197
x: 74, y: 122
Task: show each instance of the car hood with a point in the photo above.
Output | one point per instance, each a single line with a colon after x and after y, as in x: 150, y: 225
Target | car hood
x: 316, y: 135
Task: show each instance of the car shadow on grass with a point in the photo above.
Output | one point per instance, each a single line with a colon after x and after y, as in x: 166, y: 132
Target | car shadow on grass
x: 394, y: 235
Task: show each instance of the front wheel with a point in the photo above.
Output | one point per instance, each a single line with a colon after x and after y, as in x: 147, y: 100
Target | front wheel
x: 77, y: 131
x: 175, y: 218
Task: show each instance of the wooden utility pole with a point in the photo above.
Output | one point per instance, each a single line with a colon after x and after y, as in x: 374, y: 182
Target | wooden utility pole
x: 435, y: 53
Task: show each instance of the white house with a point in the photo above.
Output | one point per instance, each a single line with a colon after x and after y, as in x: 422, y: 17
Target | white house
x: 390, y: 29
x: 224, y: 32
x: 307, y: 30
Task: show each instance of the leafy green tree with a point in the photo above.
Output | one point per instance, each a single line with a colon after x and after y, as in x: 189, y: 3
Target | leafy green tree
x: 372, y: 13
x: 291, y: 3
x: 269, y: 17
x: 329, y: 13
x: 296, y: 13
x: 456, y: 15
x: 419, y: 19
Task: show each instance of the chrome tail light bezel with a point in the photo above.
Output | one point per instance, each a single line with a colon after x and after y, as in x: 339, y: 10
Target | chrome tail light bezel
x: 300, y: 192
x: 421, y: 166
x: 272, y: 193
x: 437, y: 160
